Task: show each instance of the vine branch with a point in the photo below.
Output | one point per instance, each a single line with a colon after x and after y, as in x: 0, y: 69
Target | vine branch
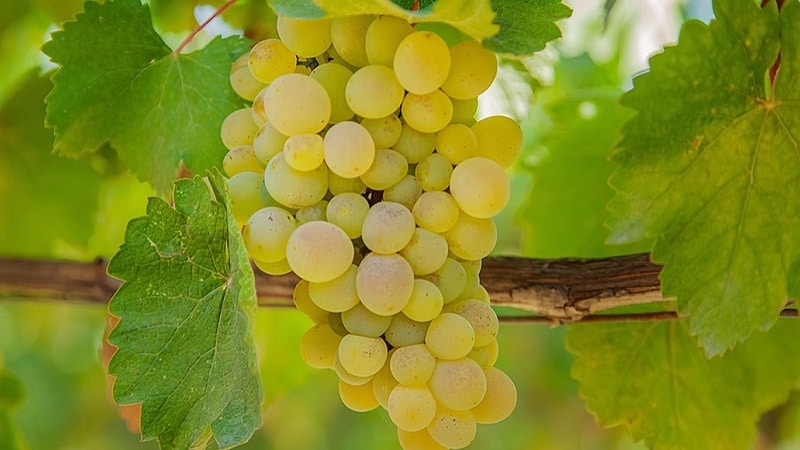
x: 551, y: 291
x: 200, y: 27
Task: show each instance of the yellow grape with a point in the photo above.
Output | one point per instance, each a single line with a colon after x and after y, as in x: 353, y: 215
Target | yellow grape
x: 307, y: 38
x: 450, y: 336
x: 383, y: 36
x: 384, y: 283
x: 319, y: 251
x: 238, y: 128
x: 359, y: 398
x: 459, y: 385
x: 426, y: 301
x: 411, y: 408
x: 480, y: 186
x: 374, y: 92
x: 266, y: 233
x: 319, y: 345
x: 472, y: 70
x: 348, y: 35
x: 429, y: 112
x: 241, y: 159
x: 422, y: 62
x: 500, y: 399
x: 297, y: 104
x: 349, y: 150
x: 499, y: 138
x: 336, y: 295
x: 269, y: 59
x: 362, y: 356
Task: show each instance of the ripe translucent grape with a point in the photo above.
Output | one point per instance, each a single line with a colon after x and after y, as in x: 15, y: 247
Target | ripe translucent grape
x: 485, y: 355
x: 388, y: 168
x: 384, y: 283
x: 304, y: 152
x: 499, y: 138
x: 359, y: 398
x: 303, y: 302
x: 363, y: 322
x: 312, y: 213
x: 453, y: 429
x: 269, y: 59
x: 404, y: 331
x: 387, y: 228
x: 268, y: 142
x: 280, y: 267
x: 339, y: 185
x: 348, y: 35
x: 426, y: 252
x: 385, y: 131
x: 319, y: 251
x: 349, y: 150
x: 450, y: 279
x: 426, y: 301
x: 361, y: 355
x: 374, y: 92
x: 241, y: 159
x: 266, y: 233
x: 336, y: 295
x: 436, y: 211
x: 238, y: 128
x: 471, y: 237
x: 333, y: 77
x: 450, y: 336
x: 429, y: 112
x: 305, y: 37
x: 242, y: 80
x: 480, y: 186
x: 293, y: 188
x: 422, y: 62
x: 482, y: 318
x: 346, y: 376
x: 434, y: 172
x: 459, y: 385
x: 472, y: 70
x: 245, y: 190
x: 383, y: 36
x: 383, y: 383
x: 414, y: 145
x: 456, y: 142
x: 348, y: 211
x: 418, y: 440
x: 319, y: 345
x: 297, y: 104
x: 411, y: 408
x: 406, y: 192
x: 412, y: 365
x: 500, y: 399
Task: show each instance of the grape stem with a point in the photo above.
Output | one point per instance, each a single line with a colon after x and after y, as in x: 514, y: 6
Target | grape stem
x: 200, y: 27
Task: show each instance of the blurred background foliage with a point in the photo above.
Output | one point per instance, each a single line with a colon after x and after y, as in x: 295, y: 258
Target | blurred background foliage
x: 565, y: 97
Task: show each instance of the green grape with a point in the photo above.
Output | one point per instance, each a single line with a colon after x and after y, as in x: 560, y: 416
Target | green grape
x: 414, y: 145
x: 421, y: 62
x: 297, y: 104
x: 412, y: 365
x: 473, y: 281
x: 374, y: 92
x: 406, y: 192
x: 280, y: 267
x: 339, y: 185
x: 425, y: 303
x: 404, y: 331
x: 482, y: 318
x: 245, y: 190
x: 346, y: 376
x: 317, y: 211
x: 304, y: 152
x: 459, y: 385
x: 307, y: 38
x: 426, y: 252
x: 429, y: 112
x: 319, y: 345
x: 241, y: 159
x: 418, y: 440
x: 485, y: 355
x: 499, y: 138
x: 436, y: 211
x: 456, y: 142
x: 453, y: 429
x: 336, y: 295
x: 388, y: 169
x: 358, y: 398
x: 266, y: 233
x: 268, y: 142
x: 433, y: 172
x: 303, y: 302
x: 500, y: 399
x: 464, y: 111
x: 482, y: 294
x: 269, y: 59
x: 242, y: 80
x: 480, y: 186
x: 471, y: 237
x: 348, y: 35
x: 411, y: 408
x: 450, y: 336
x: 349, y: 150
x: 332, y: 56
x: 335, y: 321
x: 319, y: 251
x: 362, y: 356
x: 385, y: 131
x: 363, y: 322
x: 383, y: 382
x: 384, y: 283
x: 472, y: 70
x: 238, y: 129
x: 348, y: 211
x: 387, y: 228
x: 383, y: 36
x: 258, y: 111
x: 450, y: 279
x: 333, y: 77
x: 293, y: 188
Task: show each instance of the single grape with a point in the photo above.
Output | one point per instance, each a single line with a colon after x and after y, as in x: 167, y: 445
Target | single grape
x: 305, y: 37
x: 245, y: 190
x: 404, y: 331
x: 456, y: 142
x: 242, y: 80
x: 422, y: 62
x: 429, y: 112
x: 374, y: 92
x: 339, y: 185
x: 436, y: 211
x: 361, y: 355
x: 426, y: 252
x: 406, y: 192
x: 349, y: 150
x: 358, y: 398
x: 268, y: 142
x: 411, y: 408
x: 450, y: 279
x: 383, y: 382
x: 383, y: 36
x: 459, y: 385
x: 319, y: 251
x: 363, y: 322
x: 387, y: 228
x: 269, y: 59
x: 293, y: 188
x: 319, y: 345
x: 241, y: 159
x: 238, y: 128
x: 453, y: 429
x: 412, y: 365
x: 434, y: 173
x: 297, y: 104
x: 472, y: 70
x: 266, y: 233
x: 480, y: 186
x: 482, y: 318
x: 336, y: 295
x: 384, y: 283
x: 500, y: 399
x: 414, y: 145
x: 426, y: 301
x: 471, y: 238
x: 317, y: 211
x: 388, y: 169
x: 348, y: 35
x: 450, y: 336
x: 499, y: 138
x: 348, y: 211
x: 304, y: 152
x: 385, y: 131
x: 334, y: 77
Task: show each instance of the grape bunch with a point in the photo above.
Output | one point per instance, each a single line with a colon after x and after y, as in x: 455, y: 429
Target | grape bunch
x: 360, y: 167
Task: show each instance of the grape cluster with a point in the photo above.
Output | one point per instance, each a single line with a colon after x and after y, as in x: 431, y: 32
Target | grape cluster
x: 360, y: 167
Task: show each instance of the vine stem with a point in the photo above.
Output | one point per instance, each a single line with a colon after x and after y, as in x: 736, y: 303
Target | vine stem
x: 554, y: 291
x: 200, y: 27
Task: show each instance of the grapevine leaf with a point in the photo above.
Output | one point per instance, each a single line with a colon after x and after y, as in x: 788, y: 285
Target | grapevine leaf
x: 11, y: 395
x: 652, y: 377
x: 187, y: 308
x: 37, y: 189
x: 119, y: 83
x: 711, y: 168
x: 526, y: 26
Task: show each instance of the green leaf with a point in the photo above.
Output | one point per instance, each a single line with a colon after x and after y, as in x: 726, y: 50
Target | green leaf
x: 653, y: 378
x: 47, y: 204
x: 187, y: 308
x: 565, y: 212
x: 11, y: 395
x: 710, y: 167
x: 119, y: 83
x: 526, y: 26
